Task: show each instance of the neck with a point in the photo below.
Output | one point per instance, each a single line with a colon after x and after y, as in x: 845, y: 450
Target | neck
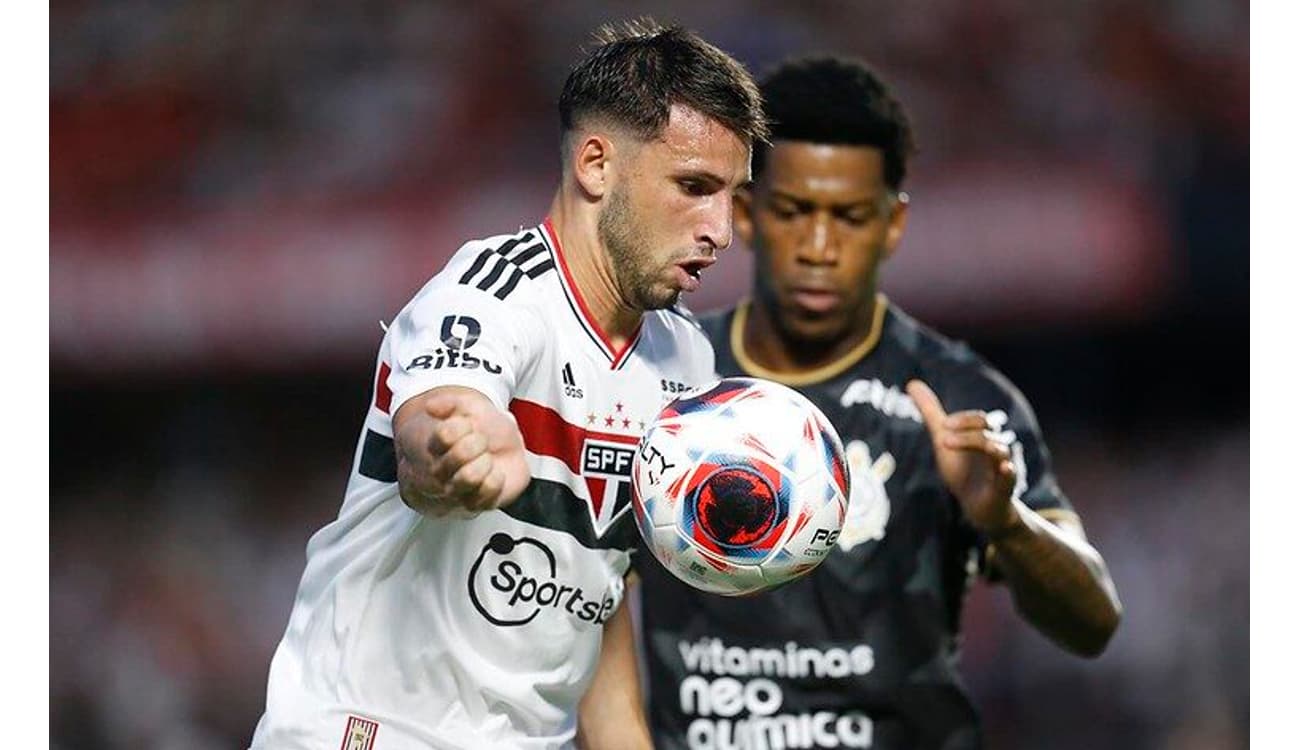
x: 591, y: 272
x: 781, y: 355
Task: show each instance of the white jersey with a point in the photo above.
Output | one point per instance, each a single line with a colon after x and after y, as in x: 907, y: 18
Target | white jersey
x: 414, y: 632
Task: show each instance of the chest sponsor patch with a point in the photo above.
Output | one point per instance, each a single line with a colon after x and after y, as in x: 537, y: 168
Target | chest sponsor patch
x: 736, y: 697
x: 515, y: 579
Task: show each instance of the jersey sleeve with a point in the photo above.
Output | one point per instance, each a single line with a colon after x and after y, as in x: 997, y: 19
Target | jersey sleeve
x: 454, y: 334
x: 1012, y: 419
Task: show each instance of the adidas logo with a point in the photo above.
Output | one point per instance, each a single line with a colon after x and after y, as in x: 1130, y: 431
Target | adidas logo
x: 571, y: 388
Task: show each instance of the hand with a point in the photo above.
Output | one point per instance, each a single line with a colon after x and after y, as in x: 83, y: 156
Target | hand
x: 459, y: 453
x: 975, y: 466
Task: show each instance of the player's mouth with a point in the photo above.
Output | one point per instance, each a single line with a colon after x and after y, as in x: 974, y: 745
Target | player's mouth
x: 689, y: 271
x: 815, y: 299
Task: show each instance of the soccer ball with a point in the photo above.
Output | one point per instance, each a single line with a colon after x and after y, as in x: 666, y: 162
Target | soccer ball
x: 740, y: 486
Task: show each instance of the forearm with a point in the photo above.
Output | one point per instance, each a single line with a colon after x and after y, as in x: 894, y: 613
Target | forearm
x: 1059, y: 582
x: 610, y: 716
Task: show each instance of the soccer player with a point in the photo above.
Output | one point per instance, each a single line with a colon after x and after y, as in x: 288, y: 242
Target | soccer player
x: 949, y: 474
x: 470, y: 592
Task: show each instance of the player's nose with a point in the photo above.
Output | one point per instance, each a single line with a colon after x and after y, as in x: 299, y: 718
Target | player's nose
x: 716, y: 226
x: 819, y: 245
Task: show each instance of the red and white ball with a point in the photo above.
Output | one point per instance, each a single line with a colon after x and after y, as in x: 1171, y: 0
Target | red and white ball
x: 740, y: 486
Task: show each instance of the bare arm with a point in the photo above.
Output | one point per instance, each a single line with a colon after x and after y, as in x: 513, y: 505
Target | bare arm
x: 456, y: 451
x: 1059, y: 582
x: 610, y: 715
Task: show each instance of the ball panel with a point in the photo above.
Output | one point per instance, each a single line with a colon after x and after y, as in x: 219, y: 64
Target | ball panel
x: 701, y: 569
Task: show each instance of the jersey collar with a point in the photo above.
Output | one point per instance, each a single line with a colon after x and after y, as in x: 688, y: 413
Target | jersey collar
x: 617, y: 357
x: 817, y: 374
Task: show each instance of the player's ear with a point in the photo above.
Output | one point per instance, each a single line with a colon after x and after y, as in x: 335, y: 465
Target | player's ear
x: 743, y: 206
x: 897, y: 222
x: 591, y: 162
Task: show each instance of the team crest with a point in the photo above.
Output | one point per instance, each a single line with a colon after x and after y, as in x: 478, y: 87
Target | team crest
x: 607, y: 470
x: 360, y: 734
x: 868, y: 513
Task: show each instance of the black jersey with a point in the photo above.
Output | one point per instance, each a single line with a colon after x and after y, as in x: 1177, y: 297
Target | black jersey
x: 863, y: 651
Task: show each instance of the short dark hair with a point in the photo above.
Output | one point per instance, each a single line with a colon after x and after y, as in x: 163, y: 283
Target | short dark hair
x: 838, y: 101
x: 637, y: 70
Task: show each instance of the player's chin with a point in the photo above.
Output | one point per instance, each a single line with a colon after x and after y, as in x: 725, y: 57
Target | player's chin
x: 814, y: 328
x: 668, y: 300
x: 660, y: 296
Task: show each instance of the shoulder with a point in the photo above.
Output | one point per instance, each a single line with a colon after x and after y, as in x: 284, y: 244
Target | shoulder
x: 716, y: 325
x: 503, y: 266
x: 686, y: 339
x: 924, y: 346
x: 959, y: 375
x: 489, y: 283
x: 679, y: 322
x: 495, y: 276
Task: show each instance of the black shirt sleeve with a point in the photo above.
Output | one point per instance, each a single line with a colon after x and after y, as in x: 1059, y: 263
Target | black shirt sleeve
x: 979, y: 386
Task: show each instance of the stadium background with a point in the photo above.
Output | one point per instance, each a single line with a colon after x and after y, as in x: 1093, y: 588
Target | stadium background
x: 241, y: 191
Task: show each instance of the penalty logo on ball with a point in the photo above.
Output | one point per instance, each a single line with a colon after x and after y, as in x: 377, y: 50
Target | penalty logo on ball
x: 735, y: 506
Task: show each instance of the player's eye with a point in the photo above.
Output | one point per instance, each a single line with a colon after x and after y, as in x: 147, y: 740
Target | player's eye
x: 695, y: 188
x: 787, y: 211
x: 858, y: 216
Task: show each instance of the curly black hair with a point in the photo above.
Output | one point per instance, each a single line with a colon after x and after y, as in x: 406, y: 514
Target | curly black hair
x: 839, y: 101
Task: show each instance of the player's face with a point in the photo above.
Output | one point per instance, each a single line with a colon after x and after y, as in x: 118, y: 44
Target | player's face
x: 820, y: 220
x: 670, y: 211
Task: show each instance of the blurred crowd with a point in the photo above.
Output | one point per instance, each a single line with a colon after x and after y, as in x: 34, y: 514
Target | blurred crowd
x: 175, y: 555
x: 216, y: 105
x: 1078, y: 159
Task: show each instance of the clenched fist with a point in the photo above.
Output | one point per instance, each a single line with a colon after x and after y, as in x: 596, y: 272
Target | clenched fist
x: 457, y: 453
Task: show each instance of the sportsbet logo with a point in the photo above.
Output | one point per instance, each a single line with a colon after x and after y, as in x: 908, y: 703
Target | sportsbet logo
x: 514, y: 579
